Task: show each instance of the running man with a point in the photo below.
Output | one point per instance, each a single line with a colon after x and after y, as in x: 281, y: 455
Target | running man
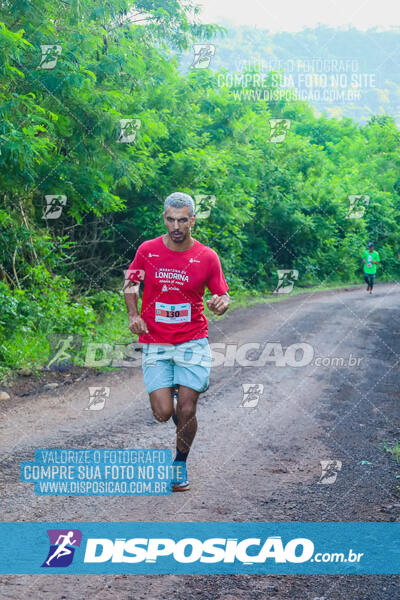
x: 370, y: 259
x: 176, y: 269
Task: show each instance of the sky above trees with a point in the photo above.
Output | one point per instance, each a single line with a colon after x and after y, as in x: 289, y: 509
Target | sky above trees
x: 286, y: 15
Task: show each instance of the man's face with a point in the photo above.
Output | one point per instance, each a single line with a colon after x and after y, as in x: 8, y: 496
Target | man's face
x: 178, y: 222
x: 371, y: 248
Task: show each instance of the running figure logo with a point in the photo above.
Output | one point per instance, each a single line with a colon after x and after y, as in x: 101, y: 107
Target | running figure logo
x: 97, y: 398
x: 132, y: 279
x: 203, y: 203
x: 62, y: 349
x: 358, y: 203
x: 203, y: 54
x: 278, y: 130
x: 330, y: 470
x: 62, y: 547
x: 50, y: 54
x: 128, y: 130
x: 251, y: 394
x: 286, y: 279
x: 54, y: 206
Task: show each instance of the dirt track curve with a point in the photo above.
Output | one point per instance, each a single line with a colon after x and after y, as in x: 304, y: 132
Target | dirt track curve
x: 247, y: 464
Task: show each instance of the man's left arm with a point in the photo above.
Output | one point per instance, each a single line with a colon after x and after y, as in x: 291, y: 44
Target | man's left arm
x: 219, y: 303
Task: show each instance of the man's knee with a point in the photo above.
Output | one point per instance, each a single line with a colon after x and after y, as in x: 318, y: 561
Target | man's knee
x: 187, y: 410
x: 162, y: 415
x: 161, y: 404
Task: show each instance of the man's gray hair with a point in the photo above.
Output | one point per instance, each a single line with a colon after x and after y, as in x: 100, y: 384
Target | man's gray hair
x: 178, y: 200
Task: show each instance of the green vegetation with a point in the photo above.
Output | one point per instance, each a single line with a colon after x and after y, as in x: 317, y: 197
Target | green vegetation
x: 394, y: 451
x: 278, y: 205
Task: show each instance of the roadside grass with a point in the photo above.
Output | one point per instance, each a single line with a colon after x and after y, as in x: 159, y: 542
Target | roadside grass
x: 394, y: 450
x: 242, y: 299
x: 29, y: 350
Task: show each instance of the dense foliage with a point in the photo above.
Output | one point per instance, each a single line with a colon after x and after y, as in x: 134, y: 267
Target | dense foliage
x: 278, y: 205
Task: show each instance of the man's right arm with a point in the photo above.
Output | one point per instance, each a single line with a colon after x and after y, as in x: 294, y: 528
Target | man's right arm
x: 131, y: 294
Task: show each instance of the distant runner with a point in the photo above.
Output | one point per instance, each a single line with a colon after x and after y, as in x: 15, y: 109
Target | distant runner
x: 172, y: 326
x: 370, y: 259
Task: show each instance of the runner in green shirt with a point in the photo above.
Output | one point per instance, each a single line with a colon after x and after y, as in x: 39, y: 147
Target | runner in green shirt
x: 370, y: 259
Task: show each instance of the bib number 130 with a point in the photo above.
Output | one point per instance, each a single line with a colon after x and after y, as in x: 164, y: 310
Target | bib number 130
x: 172, y: 313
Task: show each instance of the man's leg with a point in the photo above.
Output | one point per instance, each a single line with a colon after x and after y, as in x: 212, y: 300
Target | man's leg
x: 158, y: 372
x: 366, y: 279
x: 185, y: 432
x: 371, y: 285
x: 162, y: 405
x: 187, y: 421
x: 192, y: 370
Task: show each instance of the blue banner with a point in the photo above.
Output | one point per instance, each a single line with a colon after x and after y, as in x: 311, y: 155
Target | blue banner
x: 207, y: 548
x: 102, y: 472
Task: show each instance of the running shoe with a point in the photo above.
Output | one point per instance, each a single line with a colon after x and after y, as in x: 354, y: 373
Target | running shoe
x: 181, y: 486
x: 181, y: 483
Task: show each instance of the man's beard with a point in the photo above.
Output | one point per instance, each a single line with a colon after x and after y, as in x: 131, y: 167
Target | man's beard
x: 180, y: 238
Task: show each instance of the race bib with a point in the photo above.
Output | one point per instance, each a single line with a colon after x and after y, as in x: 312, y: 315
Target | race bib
x: 173, y: 313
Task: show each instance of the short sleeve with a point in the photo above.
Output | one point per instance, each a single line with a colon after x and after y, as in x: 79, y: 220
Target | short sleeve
x: 136, y: 269
x: 216, y: 282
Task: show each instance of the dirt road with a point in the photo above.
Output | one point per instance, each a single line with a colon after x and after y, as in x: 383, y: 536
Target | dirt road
x: 254, y: 463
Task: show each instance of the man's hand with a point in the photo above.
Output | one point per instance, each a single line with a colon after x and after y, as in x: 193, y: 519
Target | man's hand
x: 137, y: 325
x: 218, y: 304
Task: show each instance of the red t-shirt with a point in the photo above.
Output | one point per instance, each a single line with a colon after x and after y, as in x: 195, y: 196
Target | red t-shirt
x: 174, y: 284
